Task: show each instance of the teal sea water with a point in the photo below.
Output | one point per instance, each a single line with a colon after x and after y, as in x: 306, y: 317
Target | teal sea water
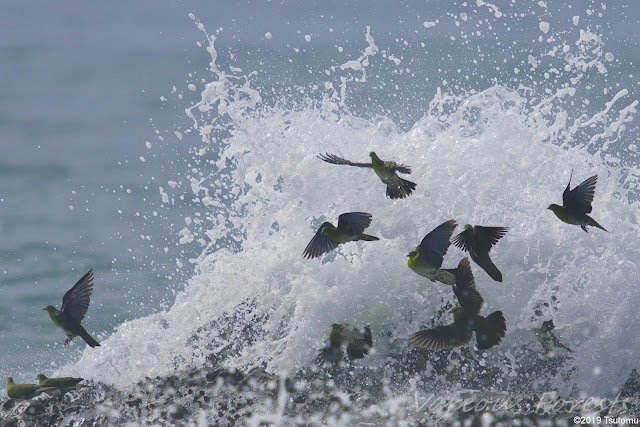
x: 174, y: 152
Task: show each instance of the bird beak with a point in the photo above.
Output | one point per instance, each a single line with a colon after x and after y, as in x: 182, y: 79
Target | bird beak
x: 44, y: 309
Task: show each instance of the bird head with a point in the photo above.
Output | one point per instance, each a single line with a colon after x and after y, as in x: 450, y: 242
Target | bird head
x: 412, y: 254
x: 325, y: 225
x: 335, y: 325
x: 42, y: 378
x: 50, y: 309
x: 457, y: 312
x: 554, y: 207
x: 373, y: 155
x: 468, y: 226
x: 10, y: 380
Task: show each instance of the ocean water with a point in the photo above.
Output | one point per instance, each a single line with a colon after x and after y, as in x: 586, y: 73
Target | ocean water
x: 202, y: 208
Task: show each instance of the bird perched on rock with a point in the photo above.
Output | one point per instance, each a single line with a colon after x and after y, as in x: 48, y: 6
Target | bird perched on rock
x: 427, y: 258
x: 25, y: 391
x: 63, y: 384
x: 547, y: 338
x: 357, y: 341
x: 397, y: 188
x: 478, y: 241
x: 576, y: 204
x: 74, y: 306
x: 489, y: 330
x: 350, y: 228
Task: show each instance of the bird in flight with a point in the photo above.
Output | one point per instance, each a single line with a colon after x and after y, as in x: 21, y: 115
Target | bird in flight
x: 350, y: 228
x: 397, y: 188
x: 74, y: 307
x: 576, y: 204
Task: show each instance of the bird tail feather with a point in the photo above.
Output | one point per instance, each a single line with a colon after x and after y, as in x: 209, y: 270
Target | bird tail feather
x: 490, y: 330
x: 89, y: 339
x: 401, y: 191
x: 367, y: 237
x: 594, y: 223
x: 491, y: 270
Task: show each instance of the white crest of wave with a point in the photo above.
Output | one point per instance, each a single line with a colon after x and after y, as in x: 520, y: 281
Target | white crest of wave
x: 487, y: 161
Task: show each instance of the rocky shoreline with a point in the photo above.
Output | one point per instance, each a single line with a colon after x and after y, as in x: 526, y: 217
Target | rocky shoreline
x: 227, y: 397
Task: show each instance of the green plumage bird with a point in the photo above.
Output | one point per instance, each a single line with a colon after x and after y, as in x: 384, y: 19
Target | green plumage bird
x: 489, y: 330
x: 62, y: 384
x: 547, y: 338
x: 358, y: 343
x: 576, y: 204
x: 397, y: 188
x: 25, y: 391
x: 74, y: 307
x: 350, y: 228
x: 478, y: 241
x: 427, y: 258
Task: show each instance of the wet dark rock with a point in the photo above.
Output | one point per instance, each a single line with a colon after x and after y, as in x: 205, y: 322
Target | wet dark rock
x: 631, y: 387
x: 34, y: 408
x: 177, y: 411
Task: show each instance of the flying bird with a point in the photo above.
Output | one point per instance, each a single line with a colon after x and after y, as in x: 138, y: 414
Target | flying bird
x: 427, y: 258
x: 350, y: 228
x: 74, y: 306
x: 358, y: 343
x: 547, y: 338
x: 397, y: 188
x: 25, y: 391
x: 576, y: 204
x: 466, y: 319
x: 478, y: 241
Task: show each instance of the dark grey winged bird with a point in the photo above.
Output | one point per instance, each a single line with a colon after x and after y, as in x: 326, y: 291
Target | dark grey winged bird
x: 478, y: 241
x: 358, y: 342
x: 350, y: 228
x: 466, y: 319
x: 397, y: 188
x: 74, y: 306
x: 427, y: 258
x: 576, y: 204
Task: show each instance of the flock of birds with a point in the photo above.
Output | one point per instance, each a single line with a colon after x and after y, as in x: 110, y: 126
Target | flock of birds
x: 426, y: 260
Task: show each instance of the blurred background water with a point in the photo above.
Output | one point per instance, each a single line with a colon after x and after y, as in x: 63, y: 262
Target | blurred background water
x: 92, y: 124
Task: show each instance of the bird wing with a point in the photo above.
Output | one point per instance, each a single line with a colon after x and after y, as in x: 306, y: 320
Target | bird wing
x: 320, y: 244
x: 435, y: 244
x: 393, y: 166
x: 354, y: 222
x: 465, y: 288
x: 76, y: 301
x: 355, y: 334
x: 333, y: 159
x: 464, y: 240
x: 579, y: 199
x: 442, y: 337
x: 486, y: 237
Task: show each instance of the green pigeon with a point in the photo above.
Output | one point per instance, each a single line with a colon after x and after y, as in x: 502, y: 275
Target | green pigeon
x: 74, y: 306
x: 397, y: 188
x: 350, y: 228
x: 25, y: 391
x: 478, y: 241
x: 63, y: 384
x: 576, y: 204
x: 357, y: 341
x: 427, y: 258
x: 547, y: 338
x: 489, y: 330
